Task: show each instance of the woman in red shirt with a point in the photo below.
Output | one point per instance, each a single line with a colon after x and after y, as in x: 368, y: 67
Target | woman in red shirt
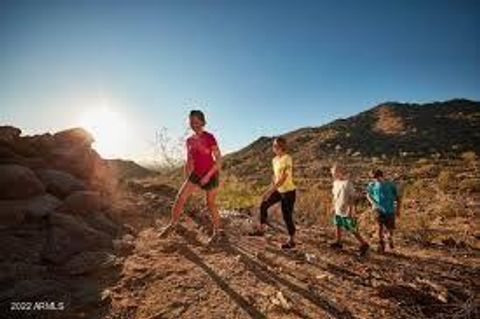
x: 201, y: 171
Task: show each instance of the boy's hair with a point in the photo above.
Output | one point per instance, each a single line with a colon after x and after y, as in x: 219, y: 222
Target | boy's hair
x: 199, y: 115
x: 281, y: 142
x: 376, y: 173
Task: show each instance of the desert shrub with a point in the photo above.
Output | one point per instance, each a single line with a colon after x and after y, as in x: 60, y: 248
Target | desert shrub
x: 469, y: 157
x: 418, y: 190
x: 313, y: 205
x: 425, y: 170
x: 450, y: 208
x: 447, y: 181
x: 417, y: 228
x: 470, y: 185
x: 423, y: 161
x: 237, y: 194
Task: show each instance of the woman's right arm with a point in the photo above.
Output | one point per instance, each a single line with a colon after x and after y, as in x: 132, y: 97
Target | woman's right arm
x: 188, y: 168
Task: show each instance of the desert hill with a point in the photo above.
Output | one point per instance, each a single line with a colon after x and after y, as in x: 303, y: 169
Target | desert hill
x: 389, y: 131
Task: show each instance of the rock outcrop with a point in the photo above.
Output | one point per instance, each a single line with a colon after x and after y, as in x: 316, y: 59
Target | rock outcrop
x: 55, y: 218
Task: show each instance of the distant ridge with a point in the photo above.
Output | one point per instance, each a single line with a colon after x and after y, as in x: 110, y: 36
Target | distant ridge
x: 390, y: 130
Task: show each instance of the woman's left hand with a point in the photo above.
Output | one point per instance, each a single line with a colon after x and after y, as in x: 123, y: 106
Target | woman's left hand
x: 205, y: 179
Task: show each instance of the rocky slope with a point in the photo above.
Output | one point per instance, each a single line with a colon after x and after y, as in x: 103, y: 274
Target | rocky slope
x: 61, y: 233
x: 388, y: 132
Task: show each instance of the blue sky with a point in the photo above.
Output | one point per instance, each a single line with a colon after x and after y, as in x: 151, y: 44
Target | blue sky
x: 255, y: 67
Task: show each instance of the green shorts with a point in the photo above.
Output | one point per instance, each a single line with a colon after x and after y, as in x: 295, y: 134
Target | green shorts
x: 347, y: 223
x: 212, y: 183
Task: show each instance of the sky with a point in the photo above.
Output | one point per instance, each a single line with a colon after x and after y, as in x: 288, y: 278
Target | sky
x: 127, y: 69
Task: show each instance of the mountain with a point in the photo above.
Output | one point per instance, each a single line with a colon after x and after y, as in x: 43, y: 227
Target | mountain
x: 390, y: 131
x: 124, y: 169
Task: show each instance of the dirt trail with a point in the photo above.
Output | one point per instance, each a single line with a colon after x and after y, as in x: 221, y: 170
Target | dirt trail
x: 247, y: 277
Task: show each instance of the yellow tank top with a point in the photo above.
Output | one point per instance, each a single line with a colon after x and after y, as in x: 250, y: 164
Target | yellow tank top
x: 281, y: 163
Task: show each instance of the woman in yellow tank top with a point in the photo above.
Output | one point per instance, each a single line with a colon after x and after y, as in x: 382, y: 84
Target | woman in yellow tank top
x: 281, y: 190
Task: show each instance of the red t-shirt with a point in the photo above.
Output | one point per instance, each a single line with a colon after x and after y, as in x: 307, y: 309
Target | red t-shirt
x: 200, y: 150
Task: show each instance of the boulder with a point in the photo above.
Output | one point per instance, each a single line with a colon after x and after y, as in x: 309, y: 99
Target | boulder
x: 58, y: 183
x: 8, y: 156
x: 35, y: 290
x: 124, y: 246
x: 99, y: 221
x: 88, y: 262
x: 9, y: 133
x: 19, y: 182
x: 73, y: 137
x: 68, y: 235
x: 13, y: 212
x: 83, y: 203
x: 23, y: 243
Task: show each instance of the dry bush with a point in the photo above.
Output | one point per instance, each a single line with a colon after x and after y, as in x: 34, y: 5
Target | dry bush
x: 447, y: 181
x: 425, y: 170
x: 469, y: 157
x: 470, y: 185
x: 314, y: 205
x: 450, y: 208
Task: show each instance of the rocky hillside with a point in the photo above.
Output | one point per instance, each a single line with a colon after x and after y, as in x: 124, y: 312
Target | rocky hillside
x: 124, y: 170
x: 387, y: 131
x: 60, y: 229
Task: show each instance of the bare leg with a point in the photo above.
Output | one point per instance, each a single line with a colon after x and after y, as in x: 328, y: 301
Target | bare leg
x: 212, y: 207
x: 390, y: 239
x: 359, y: 238
x: 380, y: 237
x: 338, y: 232
x: 184, y: 193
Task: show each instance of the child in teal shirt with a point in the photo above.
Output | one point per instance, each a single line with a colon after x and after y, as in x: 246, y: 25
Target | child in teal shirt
x: 383, y: 196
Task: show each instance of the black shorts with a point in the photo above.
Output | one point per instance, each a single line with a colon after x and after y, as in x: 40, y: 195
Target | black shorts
x: 388, y: 220
x: 212, y: 183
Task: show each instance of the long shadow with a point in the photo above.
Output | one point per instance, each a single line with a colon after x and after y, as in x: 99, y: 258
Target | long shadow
x: 331, y: 268
x: 237, y: 298
x: 263, y: 273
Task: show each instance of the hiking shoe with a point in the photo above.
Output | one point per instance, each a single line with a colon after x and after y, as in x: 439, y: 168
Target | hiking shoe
x: 288, y: 245
x: 362, y: 251
x: 217, y: 237
x: 167, y: 230
x: 336, y: 245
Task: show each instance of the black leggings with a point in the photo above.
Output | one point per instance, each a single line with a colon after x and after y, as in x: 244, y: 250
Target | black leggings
x: 287, y: 201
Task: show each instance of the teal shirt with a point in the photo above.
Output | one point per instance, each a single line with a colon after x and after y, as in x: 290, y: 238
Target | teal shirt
x: 384, y: 194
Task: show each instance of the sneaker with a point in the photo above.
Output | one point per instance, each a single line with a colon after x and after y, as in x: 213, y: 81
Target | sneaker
x: 217, y: 237
x: 288, y: 245
x: 167, y: 230
x: 363, y: 249
x: 336, y: 245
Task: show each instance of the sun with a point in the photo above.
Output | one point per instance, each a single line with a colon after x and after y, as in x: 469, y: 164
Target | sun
x: 108, y: 129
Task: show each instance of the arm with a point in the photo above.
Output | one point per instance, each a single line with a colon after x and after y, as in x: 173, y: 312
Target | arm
x: 275, y: 185
x: 188, y: 168
x: 371, y: 200
x: 216, y: 167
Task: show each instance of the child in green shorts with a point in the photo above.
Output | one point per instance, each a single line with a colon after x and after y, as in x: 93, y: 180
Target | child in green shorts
x: 343, y: 200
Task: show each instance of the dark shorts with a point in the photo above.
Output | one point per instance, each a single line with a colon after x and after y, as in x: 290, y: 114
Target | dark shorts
x: 212, y: 183
x: 388, y: 220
